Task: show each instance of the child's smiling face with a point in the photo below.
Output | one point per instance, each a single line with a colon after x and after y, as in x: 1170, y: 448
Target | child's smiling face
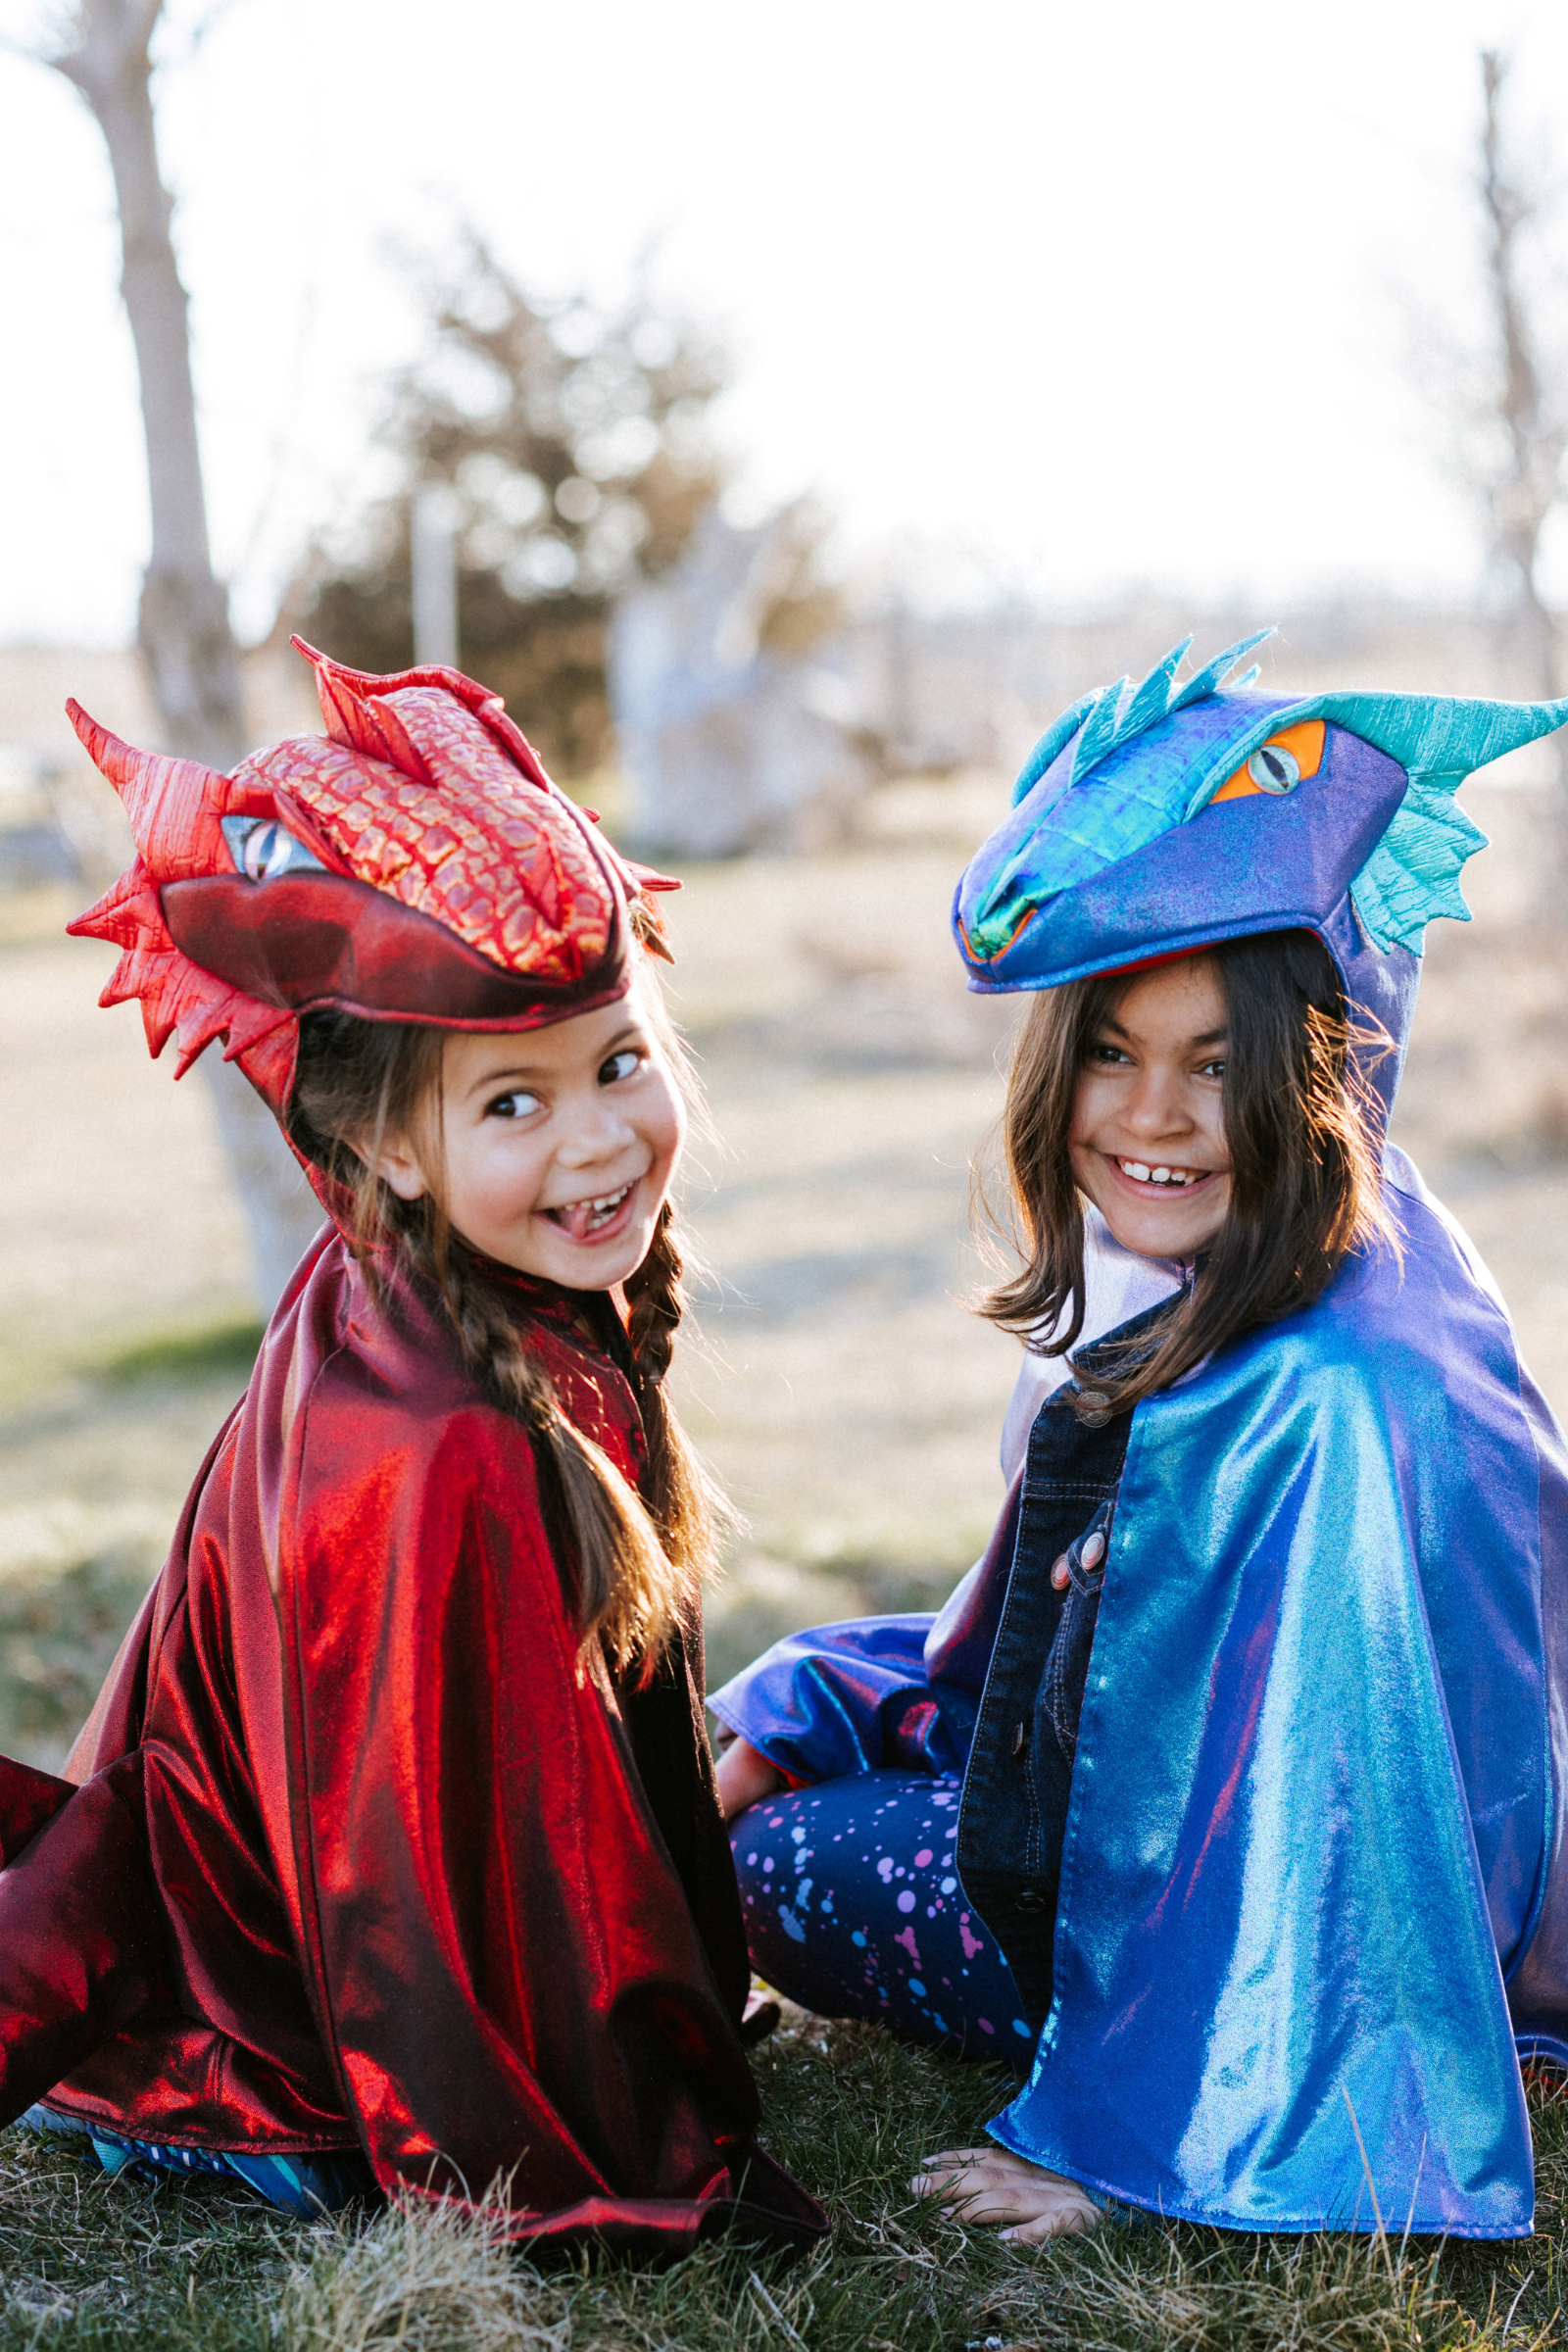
x: 557, y: 1144
x: 1148, y: 1142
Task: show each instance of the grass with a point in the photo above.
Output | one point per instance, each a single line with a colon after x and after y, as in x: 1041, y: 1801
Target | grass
x: 60, y: 1627
x: 88, y: 2264
x: 78, y: 1552
x: 208, y: 1353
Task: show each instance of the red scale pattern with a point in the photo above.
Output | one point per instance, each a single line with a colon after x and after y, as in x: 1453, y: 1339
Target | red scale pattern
x: 437, y: 833
x: 421, y: 787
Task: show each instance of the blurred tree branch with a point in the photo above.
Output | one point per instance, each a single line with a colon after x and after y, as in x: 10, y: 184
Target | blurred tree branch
x: 1524, y: 480
x: 1501, y: 393
x: 575, y: 443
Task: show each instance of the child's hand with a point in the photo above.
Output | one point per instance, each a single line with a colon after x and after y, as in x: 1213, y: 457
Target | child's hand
x: 745, y: 1777
x: 992, y: 2184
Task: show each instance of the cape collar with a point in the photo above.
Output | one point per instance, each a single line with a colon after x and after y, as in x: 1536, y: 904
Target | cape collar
x: 592, y: 1318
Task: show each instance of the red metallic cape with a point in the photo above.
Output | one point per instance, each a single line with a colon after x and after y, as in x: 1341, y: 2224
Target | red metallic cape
x: 352, y: 1854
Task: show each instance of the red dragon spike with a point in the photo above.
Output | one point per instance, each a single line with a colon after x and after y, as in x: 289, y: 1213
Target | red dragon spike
x: 349, y: 700
x: 174, y: 806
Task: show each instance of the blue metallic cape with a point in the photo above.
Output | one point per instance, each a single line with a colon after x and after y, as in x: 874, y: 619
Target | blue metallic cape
x: 1312, y: 1865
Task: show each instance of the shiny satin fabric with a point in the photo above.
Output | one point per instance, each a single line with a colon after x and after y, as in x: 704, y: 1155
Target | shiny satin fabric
x: 1312, y: 1887
x: 366, y: 1859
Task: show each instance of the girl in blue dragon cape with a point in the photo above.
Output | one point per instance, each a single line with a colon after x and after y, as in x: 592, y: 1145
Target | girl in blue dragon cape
x: 1227, y: 1793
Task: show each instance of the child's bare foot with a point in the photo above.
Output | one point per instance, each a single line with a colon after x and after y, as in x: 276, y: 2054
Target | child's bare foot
x: 992, y: 2184
x: 745, y: 1777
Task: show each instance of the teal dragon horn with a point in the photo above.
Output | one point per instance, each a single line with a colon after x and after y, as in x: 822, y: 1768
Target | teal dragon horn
x: 1436, y: 738
x: 1413, y: 873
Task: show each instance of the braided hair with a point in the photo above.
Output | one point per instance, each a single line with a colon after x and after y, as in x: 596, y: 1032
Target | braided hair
x: 635, y: 1561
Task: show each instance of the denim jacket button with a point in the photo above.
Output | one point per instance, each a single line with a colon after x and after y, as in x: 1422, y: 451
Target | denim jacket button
x: 1020, y: 1732
x: 1029, y: 1903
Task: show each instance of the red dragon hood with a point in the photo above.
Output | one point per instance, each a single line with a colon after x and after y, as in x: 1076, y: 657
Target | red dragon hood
x: 414, y: 864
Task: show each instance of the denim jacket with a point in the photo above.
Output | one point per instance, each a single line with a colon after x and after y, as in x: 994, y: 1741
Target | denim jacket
x: 1014, y: 1810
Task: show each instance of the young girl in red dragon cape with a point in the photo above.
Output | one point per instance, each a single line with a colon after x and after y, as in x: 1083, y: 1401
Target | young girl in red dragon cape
x: 390, y: 1851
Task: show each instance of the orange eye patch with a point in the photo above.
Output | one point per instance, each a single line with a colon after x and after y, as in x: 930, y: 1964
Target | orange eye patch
x: 1299, y: 748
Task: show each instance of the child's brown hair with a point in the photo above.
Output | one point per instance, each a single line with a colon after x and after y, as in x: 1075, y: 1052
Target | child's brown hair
x: 635, y: 1566
x: 1301, y: 1127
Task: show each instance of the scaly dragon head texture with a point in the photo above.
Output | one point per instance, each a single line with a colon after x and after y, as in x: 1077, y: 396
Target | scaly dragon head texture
x: 413, y: 864
x: 1158, y: 818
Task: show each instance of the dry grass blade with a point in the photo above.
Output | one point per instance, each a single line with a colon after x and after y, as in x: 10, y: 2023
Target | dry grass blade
x: 1148, y: 2291
x: 425, y: 2279
x: 774, y: 2312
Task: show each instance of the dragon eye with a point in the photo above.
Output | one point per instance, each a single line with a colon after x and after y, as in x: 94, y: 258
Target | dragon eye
x: 265, y: 854
x: 261, y: 850
x: 1273, y: 768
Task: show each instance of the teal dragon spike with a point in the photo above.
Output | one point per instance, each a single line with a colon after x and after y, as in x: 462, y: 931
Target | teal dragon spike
x: 1154, y: 697
x: 1110, y: 716
x: 1209, y: 680
x: 1412, y: 875
x: 1101, y: 728
x: 1120, y: 714
x: 1055, y: 739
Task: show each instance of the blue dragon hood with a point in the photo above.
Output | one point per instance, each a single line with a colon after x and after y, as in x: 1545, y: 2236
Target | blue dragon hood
x: 1163, y: 817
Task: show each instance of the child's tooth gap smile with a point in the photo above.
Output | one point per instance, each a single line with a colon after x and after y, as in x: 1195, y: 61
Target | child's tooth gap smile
x: 587, y: 1216
x: 1141, y: 1172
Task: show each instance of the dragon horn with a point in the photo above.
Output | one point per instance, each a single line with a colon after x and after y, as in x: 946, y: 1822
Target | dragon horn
x: 173, y: 804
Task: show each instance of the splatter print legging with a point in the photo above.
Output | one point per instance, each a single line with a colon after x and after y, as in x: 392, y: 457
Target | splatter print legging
x: 853, y: 1909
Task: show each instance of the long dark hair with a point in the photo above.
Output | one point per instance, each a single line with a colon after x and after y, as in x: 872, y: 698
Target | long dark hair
x: 635, y: 1561
x: 1301, y: 1127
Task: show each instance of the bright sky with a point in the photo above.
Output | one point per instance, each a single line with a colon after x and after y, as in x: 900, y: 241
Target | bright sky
x: 1068, y: 296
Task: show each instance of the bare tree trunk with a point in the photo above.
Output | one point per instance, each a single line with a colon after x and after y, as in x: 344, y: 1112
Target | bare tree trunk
x: 433, y: 554
x: 183, y: 627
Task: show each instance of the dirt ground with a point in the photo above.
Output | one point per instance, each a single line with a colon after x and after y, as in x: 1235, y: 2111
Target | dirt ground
x: 840, y: 1386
